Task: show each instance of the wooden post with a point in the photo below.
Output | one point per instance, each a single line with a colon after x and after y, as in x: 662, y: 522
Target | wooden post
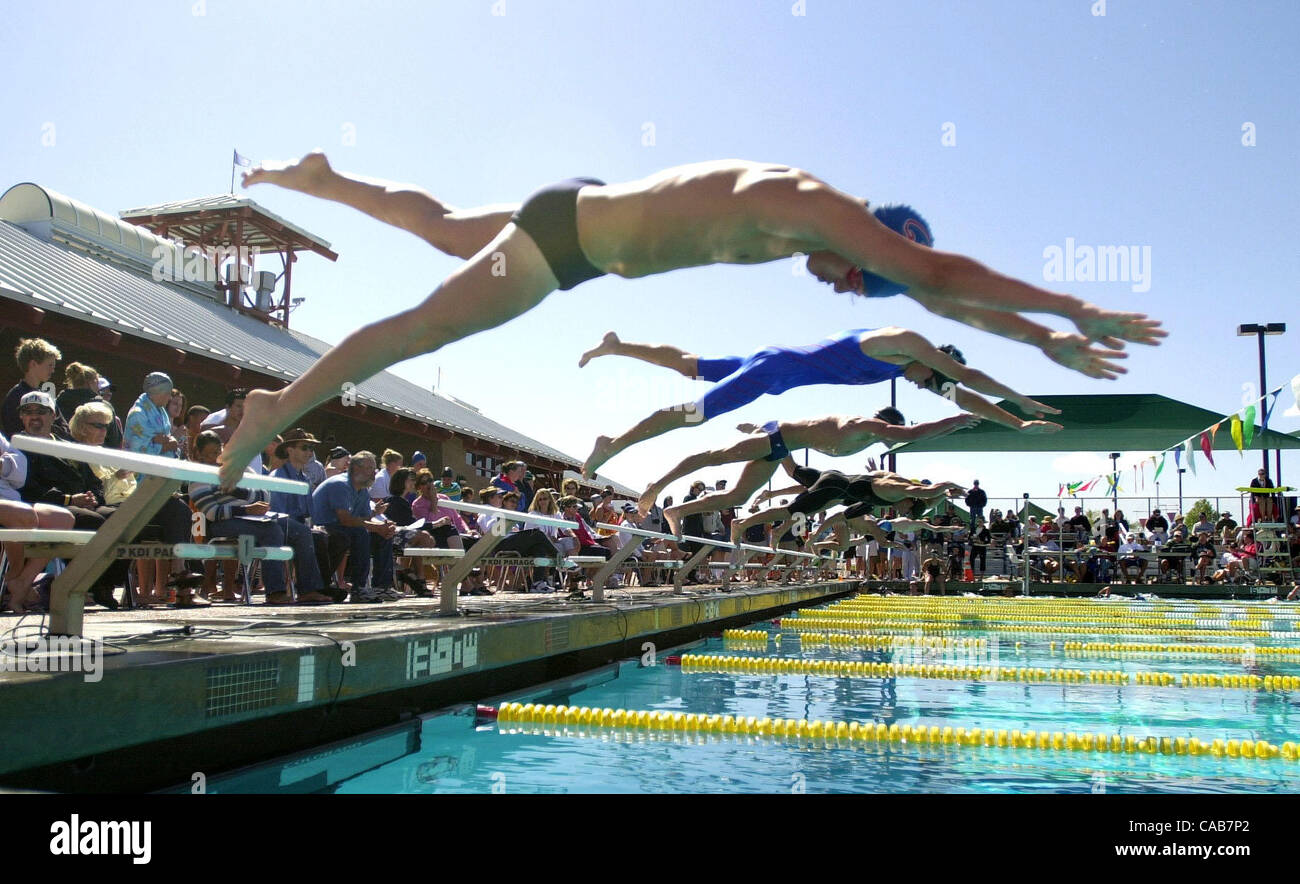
x: 68, y: 594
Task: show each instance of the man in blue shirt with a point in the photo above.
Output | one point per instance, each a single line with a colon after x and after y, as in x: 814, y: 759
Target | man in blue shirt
x: 341, y: 505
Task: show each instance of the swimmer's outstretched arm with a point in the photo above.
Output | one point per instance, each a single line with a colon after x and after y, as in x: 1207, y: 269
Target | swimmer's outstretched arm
x: 841, y: 222
x: 831, y: 435
x: 769, y: 495
x: 981, y: 406
x: 906, y: 488
x: 458, y: 232
x: 910, y: 344
x: 1070, y: 350
x: 922, y: 525
x: 870, y: 526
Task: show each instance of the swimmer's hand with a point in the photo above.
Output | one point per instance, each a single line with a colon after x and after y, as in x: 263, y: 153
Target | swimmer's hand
x: 1076, y: 352
x: 1034, y: 407
x: 1111, y: 328
x: 962, y: 421
x: 1039, y: 428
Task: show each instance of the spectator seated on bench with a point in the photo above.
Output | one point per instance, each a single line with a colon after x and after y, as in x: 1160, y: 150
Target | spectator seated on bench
x: 1204, y: 552
x: 341, y: 505
x: 298, y: 451
x: 74, y: 486
x: 580, y: 541
x: 1239, y: 559
x: 446, y: 526
x: 1130, y: 556
x: 171, y: 524
x: 242, y: 511
x: 1175, y: 554
x: 401, y: 482
x: 14, y: 513
x: 530, y: 542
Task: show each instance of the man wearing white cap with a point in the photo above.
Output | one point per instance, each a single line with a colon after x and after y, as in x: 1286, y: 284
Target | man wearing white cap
x: 148, y: 426
x: 69, y: 484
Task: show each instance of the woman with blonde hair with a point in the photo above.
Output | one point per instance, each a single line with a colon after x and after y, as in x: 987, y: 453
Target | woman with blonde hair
x: 89, y: 426
x: 81, y: 385
x: 544, y: 505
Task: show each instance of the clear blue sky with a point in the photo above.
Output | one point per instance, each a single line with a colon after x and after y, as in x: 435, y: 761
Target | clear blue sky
x: 1122, y: 129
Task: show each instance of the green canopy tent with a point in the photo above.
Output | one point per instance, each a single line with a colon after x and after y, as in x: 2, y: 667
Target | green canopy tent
x: 951, y: 508
x: 1145, y: 422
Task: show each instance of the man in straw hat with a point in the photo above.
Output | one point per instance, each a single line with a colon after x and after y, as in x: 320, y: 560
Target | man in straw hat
x: 297, y: 451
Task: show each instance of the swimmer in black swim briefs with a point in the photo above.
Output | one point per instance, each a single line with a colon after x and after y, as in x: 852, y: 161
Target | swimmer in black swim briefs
x: 721, y: 212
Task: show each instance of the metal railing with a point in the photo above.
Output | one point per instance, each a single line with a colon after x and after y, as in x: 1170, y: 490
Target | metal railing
x: 1133, y: 506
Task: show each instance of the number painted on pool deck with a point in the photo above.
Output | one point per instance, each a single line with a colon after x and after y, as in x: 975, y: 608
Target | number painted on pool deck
x: 441, y: 654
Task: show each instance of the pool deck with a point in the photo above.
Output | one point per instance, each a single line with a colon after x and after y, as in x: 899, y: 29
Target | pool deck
x: 210, y: 689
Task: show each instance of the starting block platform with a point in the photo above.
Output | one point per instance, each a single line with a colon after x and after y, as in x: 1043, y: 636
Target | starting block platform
x: 163, y: 476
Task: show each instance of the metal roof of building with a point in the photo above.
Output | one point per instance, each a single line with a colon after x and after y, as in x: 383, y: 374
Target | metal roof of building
x: 60, y: 279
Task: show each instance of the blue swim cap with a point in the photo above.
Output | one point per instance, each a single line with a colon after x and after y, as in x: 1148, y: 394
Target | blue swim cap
x: 905, y: 221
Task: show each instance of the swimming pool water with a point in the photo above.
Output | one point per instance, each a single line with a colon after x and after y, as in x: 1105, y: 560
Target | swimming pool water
x: 454, y: 753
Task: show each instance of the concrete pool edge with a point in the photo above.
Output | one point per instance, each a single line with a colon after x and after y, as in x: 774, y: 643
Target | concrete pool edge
x: 151, y: 723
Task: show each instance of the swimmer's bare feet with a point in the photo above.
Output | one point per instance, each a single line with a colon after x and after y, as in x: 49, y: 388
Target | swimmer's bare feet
x: 1111, y: 328
x: 736, y: 531
x: 603, y: 451
x: 256, y: 429
x: 608, y: 345
x: 646, y: 502
x: 306, y: 174
x: 674, y: 524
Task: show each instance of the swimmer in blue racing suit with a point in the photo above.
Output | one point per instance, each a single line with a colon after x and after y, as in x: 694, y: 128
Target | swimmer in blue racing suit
x: 855, y: 357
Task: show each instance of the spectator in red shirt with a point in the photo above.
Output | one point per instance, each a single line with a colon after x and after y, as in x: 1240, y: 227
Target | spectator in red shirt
x: 587, y: 545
